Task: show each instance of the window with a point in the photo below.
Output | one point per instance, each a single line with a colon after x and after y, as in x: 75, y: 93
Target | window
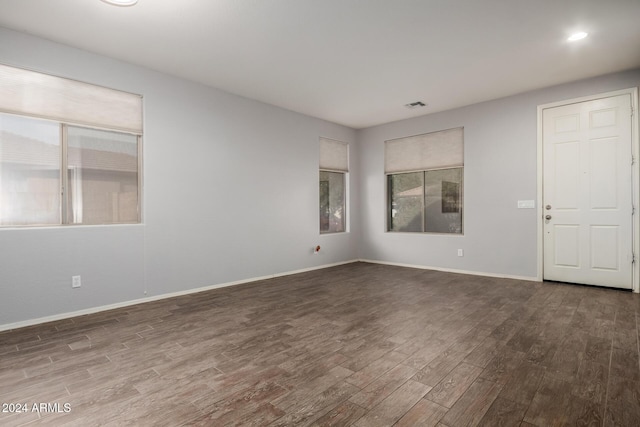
x: 334, y: 166
x: 49, y: 125
x: 29, y: 171
x: 425, y: 182
x: 102, y: 177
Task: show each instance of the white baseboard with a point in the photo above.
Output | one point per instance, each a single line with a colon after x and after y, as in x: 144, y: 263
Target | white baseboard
x: 61, y: 316
x: 452, y: 270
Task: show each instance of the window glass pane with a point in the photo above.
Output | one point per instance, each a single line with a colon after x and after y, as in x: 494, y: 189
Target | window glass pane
x: 443, y: 201
x: 103, y: 177
x: 29, y: 171
x: 332, y: 202
x: 406, y: 199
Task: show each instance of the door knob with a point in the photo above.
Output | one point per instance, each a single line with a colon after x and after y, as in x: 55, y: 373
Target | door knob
x: 547, y: 217
x: 548, y: 207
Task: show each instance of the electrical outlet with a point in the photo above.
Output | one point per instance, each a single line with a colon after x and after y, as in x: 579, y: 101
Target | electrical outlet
x: 76, y: 282
x: 460, y: 252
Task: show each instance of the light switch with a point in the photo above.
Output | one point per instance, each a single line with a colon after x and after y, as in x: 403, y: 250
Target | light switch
x: 526, y: 204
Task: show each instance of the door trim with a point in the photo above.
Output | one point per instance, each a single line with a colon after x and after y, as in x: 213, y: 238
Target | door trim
x: 635, y: 184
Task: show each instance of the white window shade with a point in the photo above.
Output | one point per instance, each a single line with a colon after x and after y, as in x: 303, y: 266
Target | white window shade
x: 334, y: 155
x: 436, y: 150
x: 40, y: 95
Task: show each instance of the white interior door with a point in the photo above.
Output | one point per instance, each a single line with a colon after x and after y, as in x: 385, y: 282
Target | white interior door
x: 587, y: 192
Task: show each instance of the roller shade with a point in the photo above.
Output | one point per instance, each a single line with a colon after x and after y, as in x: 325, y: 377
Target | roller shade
x: 436, y: 150
x: 40, y: 95
x: 334, y: 155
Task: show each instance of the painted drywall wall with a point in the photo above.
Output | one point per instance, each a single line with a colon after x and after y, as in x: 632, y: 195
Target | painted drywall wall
x: 500, y: 155
x: 230, y: 193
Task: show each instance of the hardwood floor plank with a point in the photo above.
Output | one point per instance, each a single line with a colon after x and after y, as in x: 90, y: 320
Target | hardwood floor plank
x: 473, y: 404
x: 231, y: 382
x: 542, y: 351
x: 523, y: 339
x: 472, y: 339
x: 425, y: 413
x: 361, y: 344
x: 307, y: 373
x: 391, y: 409
x: 505, y: 331
x: 32, y: 393
x: 503, y: 366
x: 262, y: 415
x: 566, y: 360
x: 308, y: 391
x: 624, y: 363
x: 524, y: 383
x: 438, y: 368
x: 591, y: 381
x: 344, y: 414
x: 306, y: 412
x: 19, y: 419
x: 626, y: 339
x: 503, y: 413
x: 162, y: 414
x: 583, y: 412
x: 454, y: 385
x: 550, y: 403
x: 383, y: 386
x: 623, y: 402
x: 375, y: 369
x: 363, y: 359
x: 484, y: 352
x: 598, y: 350
x: 242, y: 404
x: 425, y: 355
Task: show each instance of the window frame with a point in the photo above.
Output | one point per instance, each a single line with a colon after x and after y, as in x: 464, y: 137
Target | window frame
x: 69, y: 102
x: 424, y: 218
x: 345, y: 223
x: 63, y: 188
x: 334, y: 156
x: 422, y: 153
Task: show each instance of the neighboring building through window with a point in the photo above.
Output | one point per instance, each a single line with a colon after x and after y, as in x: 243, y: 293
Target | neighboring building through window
x: 425, y: 182
x: 334, y: 166
x: 49, y: 125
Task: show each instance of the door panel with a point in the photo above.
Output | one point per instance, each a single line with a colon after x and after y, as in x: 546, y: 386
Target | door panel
x: 604, y: 177
x: 604, y: 247
x: 567, y: 174
x: 603, y: 118
x: 587, y: 192
x: 567, y: 245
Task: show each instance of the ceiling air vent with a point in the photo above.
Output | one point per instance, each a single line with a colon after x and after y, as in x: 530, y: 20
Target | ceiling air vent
x: 417, y: 104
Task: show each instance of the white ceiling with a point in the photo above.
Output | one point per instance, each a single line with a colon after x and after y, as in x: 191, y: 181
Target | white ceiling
x: 354, y: 62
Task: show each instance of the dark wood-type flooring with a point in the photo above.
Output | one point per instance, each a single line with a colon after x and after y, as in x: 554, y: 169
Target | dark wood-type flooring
x: 360, y: 344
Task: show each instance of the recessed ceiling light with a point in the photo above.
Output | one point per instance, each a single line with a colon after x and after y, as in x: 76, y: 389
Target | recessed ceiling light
x: 577, y: 36
x: 121, y: 2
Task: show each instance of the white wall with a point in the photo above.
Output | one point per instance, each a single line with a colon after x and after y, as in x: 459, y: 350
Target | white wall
x: 500, y: 169
x: 230, y: 193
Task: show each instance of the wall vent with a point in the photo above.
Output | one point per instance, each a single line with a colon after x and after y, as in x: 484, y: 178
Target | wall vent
x: 417, y: 104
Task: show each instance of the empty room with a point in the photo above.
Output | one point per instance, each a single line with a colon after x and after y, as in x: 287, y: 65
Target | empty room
x: 319, y: 213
